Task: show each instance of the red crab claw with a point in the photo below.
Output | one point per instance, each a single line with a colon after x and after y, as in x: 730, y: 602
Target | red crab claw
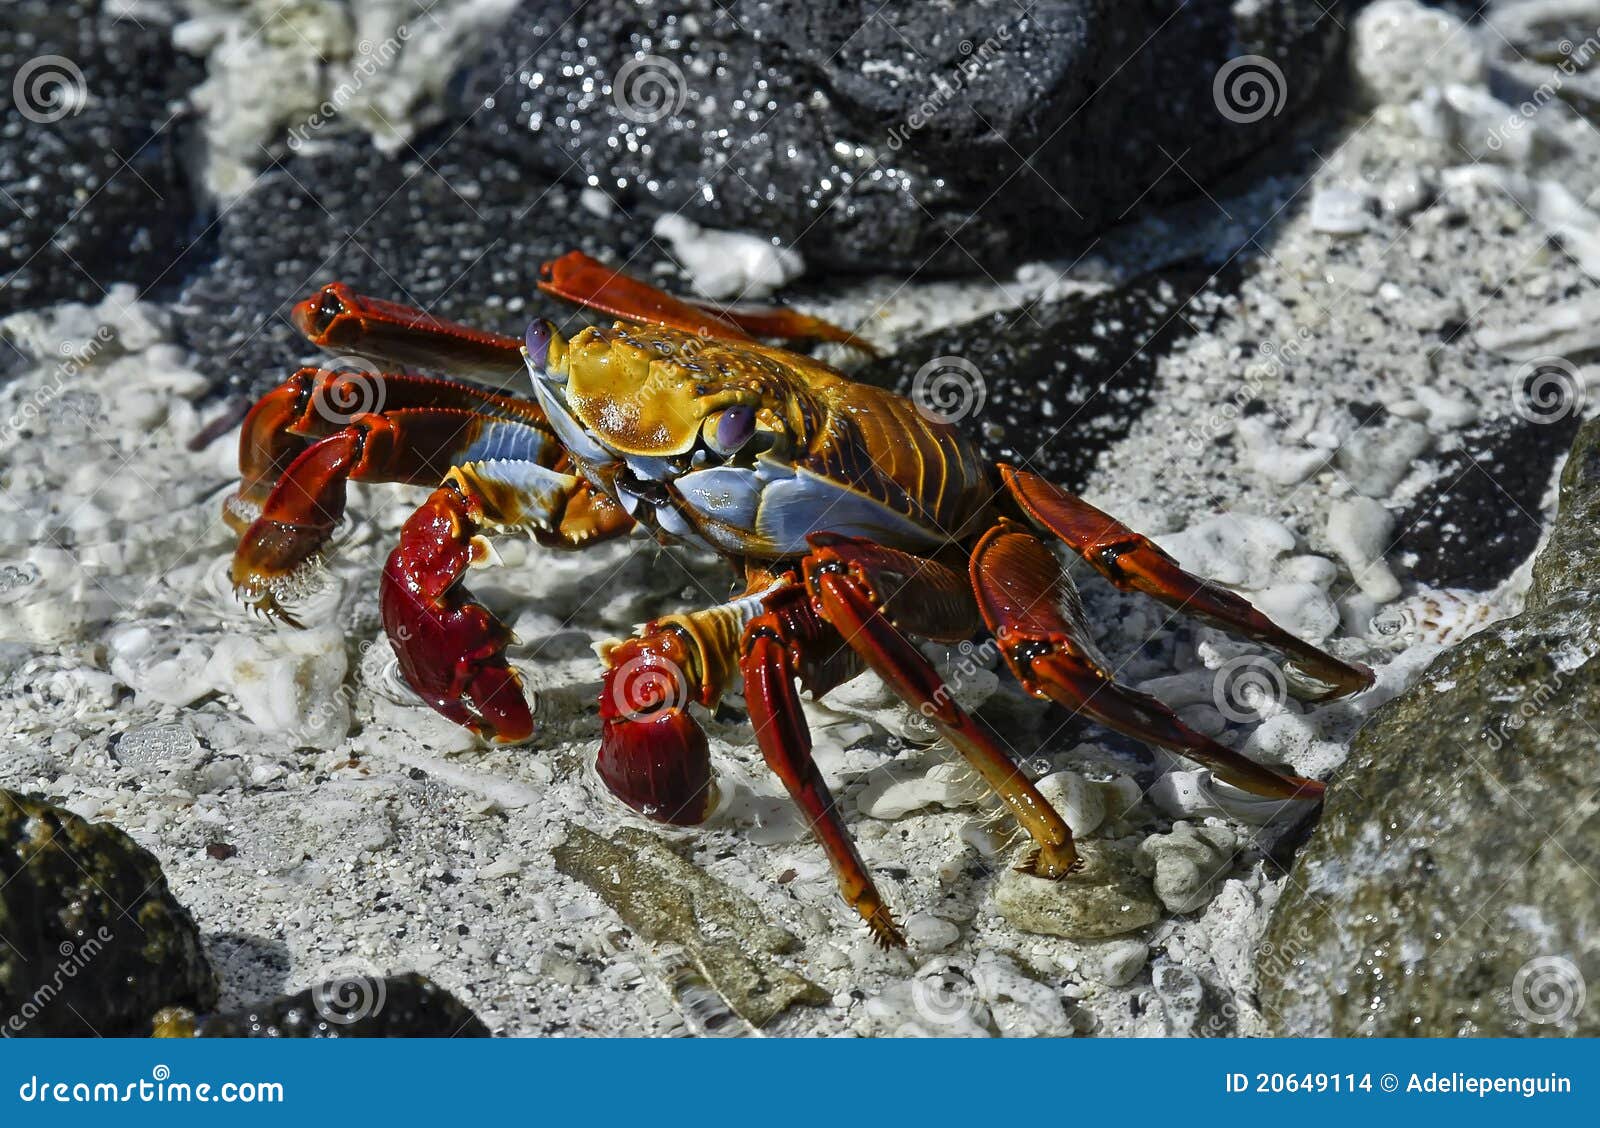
x: 653, y: 754
x: 451, y: 649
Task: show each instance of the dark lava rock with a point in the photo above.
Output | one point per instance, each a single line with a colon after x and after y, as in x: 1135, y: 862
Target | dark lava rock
x: 92, y: 187
x: 399, y: 1006
x: 1481, y: 517
x: 900, y: 135
x: 1053, y: 386
x: 1450, y: 887
x: 91, y: 940
x: 453, y: 231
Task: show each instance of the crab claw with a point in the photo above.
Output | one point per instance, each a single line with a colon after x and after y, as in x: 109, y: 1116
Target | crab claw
x: 451, y: 649
x: 653, y: 754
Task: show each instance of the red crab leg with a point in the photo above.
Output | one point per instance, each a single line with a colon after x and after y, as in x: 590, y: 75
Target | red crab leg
x: 316, y: 402
x: 583, y: 280
x: 844, y: 596
x: 1135, y: 562
x: 338, y: 319
x: 773, y: 658
x: 1022, y: 590
x: 413, y: 445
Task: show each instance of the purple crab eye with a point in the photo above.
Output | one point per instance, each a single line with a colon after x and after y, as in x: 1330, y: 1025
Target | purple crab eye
x: 734, y: 428
x: 537, y: 339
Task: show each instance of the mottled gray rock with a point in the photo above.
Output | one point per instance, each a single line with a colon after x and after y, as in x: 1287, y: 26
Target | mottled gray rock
x: 669, y: 900
x: 91, y: 940
x: 903, y: 135
x: 395, y: 1006
x: 1567, y: 562
x: 92, y: 185
x: 1107, y: 897
x: 1449, y: 888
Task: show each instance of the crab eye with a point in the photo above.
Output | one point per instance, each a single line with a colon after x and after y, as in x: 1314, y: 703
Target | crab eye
x: 537, y: 340
x: 731, y: 429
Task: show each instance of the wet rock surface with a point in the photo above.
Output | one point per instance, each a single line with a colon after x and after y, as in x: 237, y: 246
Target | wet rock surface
x: 1449, y: 888
x: 397, y: 1006
x: 94, y: 942
x: 1000, y: 131
x: 92, y: 185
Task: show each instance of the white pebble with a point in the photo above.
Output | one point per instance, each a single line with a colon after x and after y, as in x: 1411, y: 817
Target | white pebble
x: 930, y: 932
x: 1358, y: 530
x: 1398, y: 48
x: 729, y: 264
x: 1076, y: 800
x: 1336, y: 210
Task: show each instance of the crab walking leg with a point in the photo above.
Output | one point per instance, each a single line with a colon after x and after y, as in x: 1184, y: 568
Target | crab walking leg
x: 317, y: 402
x: 771, y: 665
x: 451, y: 649
x: 338, y: 319
x: 846, y: 600
x: 1130, y: 560
x: 412, y: 445
x: 587, y: 282
x: 1030, y: 605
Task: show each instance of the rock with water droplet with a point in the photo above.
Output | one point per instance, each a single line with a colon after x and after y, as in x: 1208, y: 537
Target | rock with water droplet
x: 909, y: 136
x: 1449, y: 888
x: 95, y: 943
x: 350, y: 1006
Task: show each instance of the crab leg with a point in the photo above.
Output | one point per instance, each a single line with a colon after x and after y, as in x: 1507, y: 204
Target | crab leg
x: 317, y: 402
x: 587, y: 282
x: 775, y: 653
x: 412, y: 445
x: 338, y: 319
x: 844, y: 591
x: 1030, y: 605
x: 1130, y: 560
